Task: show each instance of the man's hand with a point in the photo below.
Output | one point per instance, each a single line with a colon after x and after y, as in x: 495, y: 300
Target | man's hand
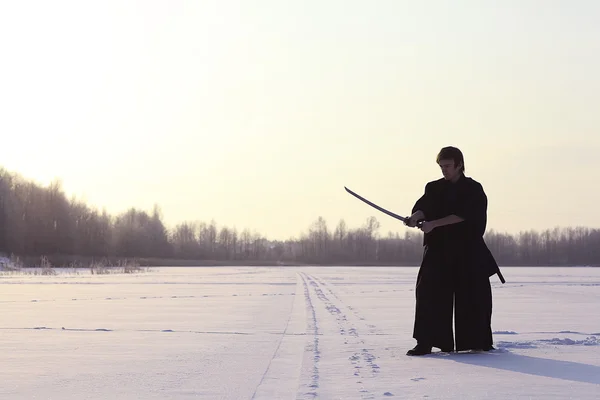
x: 428, y: 226
x: 412, y: 220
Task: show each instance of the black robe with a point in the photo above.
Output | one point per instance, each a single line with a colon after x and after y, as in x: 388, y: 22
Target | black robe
x: 455, y: 269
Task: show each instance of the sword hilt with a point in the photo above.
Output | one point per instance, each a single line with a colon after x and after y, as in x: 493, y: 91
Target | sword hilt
x: 419, y: 223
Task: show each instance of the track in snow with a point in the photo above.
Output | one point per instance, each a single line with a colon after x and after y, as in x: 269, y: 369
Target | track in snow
x: 341, y: 352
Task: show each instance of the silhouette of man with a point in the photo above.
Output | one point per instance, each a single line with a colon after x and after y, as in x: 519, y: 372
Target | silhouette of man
x: 456, y: 264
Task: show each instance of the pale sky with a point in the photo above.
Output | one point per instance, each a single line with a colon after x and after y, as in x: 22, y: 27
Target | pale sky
x: 257, y: 113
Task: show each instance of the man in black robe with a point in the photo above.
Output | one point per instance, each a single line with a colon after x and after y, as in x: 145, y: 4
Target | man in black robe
x: 456, y: 263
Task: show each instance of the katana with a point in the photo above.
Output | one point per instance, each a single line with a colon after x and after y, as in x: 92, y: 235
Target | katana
x: 383, y: 210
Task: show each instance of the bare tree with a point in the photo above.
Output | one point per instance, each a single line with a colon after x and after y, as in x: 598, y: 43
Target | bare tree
x: 36, y: 220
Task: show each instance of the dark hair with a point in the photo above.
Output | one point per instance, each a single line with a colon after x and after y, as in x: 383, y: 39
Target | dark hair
x: 451, y: 153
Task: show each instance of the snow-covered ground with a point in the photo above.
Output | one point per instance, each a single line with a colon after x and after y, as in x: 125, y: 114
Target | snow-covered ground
x: 287, y: 333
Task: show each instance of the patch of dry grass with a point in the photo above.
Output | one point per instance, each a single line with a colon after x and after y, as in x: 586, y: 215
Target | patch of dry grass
x: 14, y: 266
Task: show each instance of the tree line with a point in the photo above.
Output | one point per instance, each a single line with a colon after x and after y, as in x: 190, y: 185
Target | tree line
x: 40, y: 220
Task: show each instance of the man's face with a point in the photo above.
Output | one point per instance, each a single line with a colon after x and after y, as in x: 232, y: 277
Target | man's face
x: 449, y: 170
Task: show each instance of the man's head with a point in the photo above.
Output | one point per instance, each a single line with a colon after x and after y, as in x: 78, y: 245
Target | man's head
x: 451, y: 162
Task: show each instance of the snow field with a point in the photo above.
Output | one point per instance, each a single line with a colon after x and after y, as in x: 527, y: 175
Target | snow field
x: 287, y: 333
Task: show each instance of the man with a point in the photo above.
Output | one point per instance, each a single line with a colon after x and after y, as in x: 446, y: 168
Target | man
x: 456, y: 263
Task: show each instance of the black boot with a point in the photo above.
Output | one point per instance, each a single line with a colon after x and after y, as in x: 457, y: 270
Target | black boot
x: 419, y: 350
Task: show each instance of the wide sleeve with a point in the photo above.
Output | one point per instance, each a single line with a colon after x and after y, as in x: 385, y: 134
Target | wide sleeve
x: 424, y: 202
x: 473, y: 208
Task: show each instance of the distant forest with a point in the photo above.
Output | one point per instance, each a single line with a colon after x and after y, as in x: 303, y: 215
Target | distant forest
x: 41, y: 221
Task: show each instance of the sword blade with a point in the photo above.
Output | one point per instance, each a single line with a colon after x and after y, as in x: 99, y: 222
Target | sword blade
x: 383, y: 210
